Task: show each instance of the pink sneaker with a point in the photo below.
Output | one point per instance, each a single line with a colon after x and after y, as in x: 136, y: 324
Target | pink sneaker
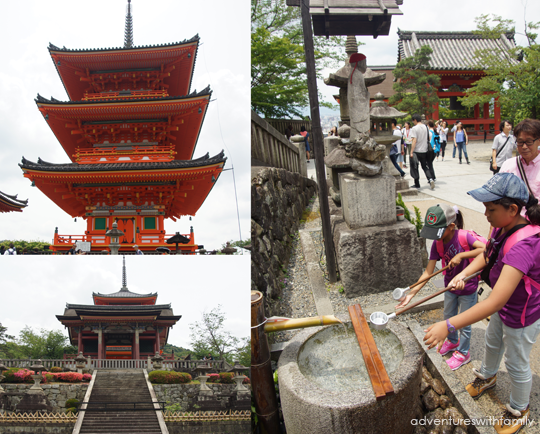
x: 447, y: 347
x: 458, y: 360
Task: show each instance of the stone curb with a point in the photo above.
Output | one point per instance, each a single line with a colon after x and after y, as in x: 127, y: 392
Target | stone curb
x: 316, y: 279
x: 461, y: 398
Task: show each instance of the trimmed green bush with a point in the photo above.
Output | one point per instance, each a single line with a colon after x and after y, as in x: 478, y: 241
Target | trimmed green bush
x: 226, y: 377
x: 72, y: 403
x: 71, y: 410
x: 55, y: 369
x: 169, y: 377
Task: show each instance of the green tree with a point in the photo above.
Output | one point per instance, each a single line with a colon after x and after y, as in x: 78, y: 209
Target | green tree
x: 48, y: 344
x: 209, y: 336
x: 415, y: 89
x: 513, y: 78
x: 243, y: 353
x: 278, y: 69
x: 4, y: 341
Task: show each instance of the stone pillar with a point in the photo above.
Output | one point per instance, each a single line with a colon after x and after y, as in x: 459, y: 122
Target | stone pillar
x: 136, y: 344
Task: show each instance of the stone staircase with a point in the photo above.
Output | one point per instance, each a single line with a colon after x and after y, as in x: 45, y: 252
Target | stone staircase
x: 111, y: 403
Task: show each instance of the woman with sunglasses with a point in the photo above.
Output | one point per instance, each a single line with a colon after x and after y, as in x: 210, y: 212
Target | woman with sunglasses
x: 513, y: 271
x: 527, y: 134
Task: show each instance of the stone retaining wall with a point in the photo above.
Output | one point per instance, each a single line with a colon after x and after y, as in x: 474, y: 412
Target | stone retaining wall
x: 56, y: 393
x: 187, y: 394
x: 36, y: 428
x: 278, y: 199
x: 224, y: 427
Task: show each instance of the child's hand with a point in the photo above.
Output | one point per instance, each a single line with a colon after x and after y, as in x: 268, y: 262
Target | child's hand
x: 435, y: 335
x: 457, y: 283
x: 405, y: 301
x: 456, y: 260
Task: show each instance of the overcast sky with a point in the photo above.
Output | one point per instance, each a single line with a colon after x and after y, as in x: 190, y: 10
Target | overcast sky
x: 36, y: 288
x: 27, y: 69
x: 438, y: 15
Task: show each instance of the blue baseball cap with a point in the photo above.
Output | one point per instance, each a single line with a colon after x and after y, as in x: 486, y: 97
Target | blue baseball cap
x: 501, y: 185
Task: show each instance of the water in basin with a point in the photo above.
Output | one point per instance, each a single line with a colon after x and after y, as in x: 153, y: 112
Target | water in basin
x: 332, y: 358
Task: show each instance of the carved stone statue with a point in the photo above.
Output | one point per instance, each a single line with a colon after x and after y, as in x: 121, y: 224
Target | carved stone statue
x: 358, y: 97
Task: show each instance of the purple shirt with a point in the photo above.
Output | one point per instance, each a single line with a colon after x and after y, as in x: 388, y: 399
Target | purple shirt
x: 525, y: 257
x: 451, y: 249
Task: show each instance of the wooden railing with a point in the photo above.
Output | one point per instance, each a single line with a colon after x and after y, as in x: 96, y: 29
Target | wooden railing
x: 114, y: 154
x: 272, y: 148
x: 125, y: 94
x: 142, y: 240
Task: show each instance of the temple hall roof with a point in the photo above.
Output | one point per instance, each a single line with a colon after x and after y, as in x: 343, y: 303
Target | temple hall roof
x: 453, y: 50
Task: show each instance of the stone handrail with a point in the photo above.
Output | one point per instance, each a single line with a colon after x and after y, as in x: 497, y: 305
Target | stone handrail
x: 270, y: 147
x: 189, y: 365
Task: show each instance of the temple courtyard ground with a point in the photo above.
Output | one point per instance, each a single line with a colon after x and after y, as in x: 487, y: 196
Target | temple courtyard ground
x: 306, y: 291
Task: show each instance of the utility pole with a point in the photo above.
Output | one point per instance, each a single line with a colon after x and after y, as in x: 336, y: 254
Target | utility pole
x: 318, y: 145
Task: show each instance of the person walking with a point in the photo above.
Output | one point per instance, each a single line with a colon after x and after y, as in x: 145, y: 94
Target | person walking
x: 461, y: 140
x: 407, y: 139
x: 434, y: 140
x: 305, y: 134
x: 137, y: 250
x: 511, y: 266
x: 443, y: 135
x: 419, y: 152
x: 396, y: 148
x: 503, y: 145
x: 11, y: 251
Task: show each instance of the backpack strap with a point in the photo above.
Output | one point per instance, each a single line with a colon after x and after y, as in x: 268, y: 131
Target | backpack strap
x: 525, y: 232
x: 440, y: 251
x: 462, y: 237
x: 528, y: 282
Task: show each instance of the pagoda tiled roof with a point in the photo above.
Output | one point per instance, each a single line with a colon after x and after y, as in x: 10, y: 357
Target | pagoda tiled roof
x: 42, y: 165
x: 194, y: 94
x: 119, y: 308
x: 123, y: 50
x: 454, y: 50
x: 123, y: 294
x: 11, y: 203
x: 53, y: 47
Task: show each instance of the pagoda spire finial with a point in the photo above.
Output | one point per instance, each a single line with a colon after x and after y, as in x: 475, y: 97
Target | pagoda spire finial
x: 124, y: 278
x: 128, y: 34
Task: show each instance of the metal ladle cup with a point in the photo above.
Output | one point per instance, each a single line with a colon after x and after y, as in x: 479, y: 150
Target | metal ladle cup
x: 379, y: 320
x: 399, y: 293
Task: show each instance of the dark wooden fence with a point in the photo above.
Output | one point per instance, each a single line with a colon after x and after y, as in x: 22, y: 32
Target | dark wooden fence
x: 271, y: 148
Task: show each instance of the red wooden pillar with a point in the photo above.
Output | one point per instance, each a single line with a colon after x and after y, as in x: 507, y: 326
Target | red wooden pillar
x: 497, y: 115
x: 136, y: 345
x: 79, y: 343
x: 156, y: 350
x: 100, y: 344
x: 486, y: 115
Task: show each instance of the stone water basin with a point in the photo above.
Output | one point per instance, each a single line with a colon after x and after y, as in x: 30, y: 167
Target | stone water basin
x: 324, y: 385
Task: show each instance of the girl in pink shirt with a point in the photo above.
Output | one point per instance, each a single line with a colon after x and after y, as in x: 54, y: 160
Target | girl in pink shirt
x: 512, y: 267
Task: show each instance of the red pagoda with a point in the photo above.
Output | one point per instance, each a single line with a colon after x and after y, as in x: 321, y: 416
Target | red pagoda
x: 11, y: 203
x: 121, y: 325
x: 130, y: 128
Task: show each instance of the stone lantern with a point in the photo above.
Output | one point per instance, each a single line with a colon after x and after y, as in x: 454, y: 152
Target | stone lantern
x: 37, y: 367
x: 238, y: 378
x: 115, y: 235
x: 2, y: 369
x: 157, y: 361
x: 228, y: 250
x: 80, y: 362
x: 203, y: 369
